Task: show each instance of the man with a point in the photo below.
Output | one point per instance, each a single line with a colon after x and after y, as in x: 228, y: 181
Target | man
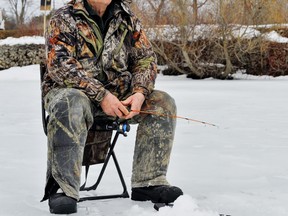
x: 101, y: 63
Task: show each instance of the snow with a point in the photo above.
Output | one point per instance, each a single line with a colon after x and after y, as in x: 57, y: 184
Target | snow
x: 250, y: 32
x: 184, y: 205
x: 22, y: 40
x: 238, y: 168
x: 171, y: 33
x: 246, y: 32
x: 240, y: 74
x: 275, y: 37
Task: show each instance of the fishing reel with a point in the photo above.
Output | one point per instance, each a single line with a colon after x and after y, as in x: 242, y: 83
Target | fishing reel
x: 120, y: 127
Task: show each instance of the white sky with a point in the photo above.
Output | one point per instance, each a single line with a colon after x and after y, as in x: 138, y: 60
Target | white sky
x: 34, y: 7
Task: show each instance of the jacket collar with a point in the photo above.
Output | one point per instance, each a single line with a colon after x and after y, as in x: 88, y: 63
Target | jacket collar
x: 79, y: 5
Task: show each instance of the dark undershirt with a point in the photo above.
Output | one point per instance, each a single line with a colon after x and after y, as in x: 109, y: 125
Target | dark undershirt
x: 102, y: 22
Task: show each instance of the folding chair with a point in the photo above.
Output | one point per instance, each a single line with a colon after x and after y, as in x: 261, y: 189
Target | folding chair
x: 105, y: 125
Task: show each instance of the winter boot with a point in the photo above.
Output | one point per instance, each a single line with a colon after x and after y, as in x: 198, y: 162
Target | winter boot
x: 59, y: 203
x: 157, y: 194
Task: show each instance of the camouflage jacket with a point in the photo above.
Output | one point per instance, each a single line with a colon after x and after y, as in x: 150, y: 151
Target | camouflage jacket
x: 78, y: 56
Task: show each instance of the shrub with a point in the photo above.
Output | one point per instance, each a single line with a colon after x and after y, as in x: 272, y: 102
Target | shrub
x: 7, y: 33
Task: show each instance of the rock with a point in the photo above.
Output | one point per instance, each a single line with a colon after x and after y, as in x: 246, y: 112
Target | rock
x: 21, y: 55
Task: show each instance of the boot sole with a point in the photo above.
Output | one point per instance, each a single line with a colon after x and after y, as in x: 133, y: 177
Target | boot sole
x: 64, y: 209
x: 157, y: 196
x: 141, y: 197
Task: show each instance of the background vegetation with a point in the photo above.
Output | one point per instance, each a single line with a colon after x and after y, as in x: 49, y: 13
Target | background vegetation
x: 197, y: 37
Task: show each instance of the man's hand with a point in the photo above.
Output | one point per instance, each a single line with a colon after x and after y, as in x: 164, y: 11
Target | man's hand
x: 113, y: 107
x: 135, y: 102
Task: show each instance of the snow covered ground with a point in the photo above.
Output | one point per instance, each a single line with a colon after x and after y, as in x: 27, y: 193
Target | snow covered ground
x: 238, y: 168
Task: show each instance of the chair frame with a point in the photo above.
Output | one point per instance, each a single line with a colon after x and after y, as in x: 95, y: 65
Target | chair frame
x: 120, y: 128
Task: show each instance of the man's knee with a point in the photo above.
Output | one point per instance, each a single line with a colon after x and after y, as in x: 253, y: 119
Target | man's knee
x: 62, y: 100
x: 68, y: 105
x: 161, y: 100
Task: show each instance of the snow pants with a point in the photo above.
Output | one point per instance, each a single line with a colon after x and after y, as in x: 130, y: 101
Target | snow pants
x: 71, y: 114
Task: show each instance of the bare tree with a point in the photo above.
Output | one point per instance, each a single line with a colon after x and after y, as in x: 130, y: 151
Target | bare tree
x: 225, y: 32
x: 174, y: 42
x: 157, y: 7
x: 211, y: 50
x: 247, y: 11
x: 19, y: 10
x: 196, y: 5
x: 152, y: 11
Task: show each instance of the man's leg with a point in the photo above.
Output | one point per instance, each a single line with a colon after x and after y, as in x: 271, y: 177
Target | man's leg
x: 153, y: 147
x: 70, y: 117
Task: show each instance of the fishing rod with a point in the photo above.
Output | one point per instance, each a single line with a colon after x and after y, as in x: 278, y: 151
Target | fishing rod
x: 173, y: 116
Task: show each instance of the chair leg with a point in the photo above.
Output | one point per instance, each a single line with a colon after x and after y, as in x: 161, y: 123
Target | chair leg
x: 125, y: 192
x: 94, y: 187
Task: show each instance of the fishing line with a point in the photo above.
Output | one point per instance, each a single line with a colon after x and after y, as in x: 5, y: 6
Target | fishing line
x: 173, y: 116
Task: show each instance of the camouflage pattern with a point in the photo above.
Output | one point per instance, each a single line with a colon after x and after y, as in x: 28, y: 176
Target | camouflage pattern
x: 96, y: 147
x: 154, y: 140
x: 82, y: 67
x: 71, y: 114
x: 78, y: 56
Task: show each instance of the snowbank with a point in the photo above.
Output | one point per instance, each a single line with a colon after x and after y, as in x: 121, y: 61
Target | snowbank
x: 31, y: 72
x: 275, y: 37
x: 170, y: 32
x: 22, y: 40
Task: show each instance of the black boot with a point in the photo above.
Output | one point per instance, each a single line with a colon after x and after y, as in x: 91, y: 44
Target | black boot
x: 157, y: 194
x: 59, y: 203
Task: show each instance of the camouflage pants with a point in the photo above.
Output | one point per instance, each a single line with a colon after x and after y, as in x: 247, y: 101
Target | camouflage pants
x: 71, y: 114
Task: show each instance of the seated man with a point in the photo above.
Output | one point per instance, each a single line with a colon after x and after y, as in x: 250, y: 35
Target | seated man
x: 100, y: 62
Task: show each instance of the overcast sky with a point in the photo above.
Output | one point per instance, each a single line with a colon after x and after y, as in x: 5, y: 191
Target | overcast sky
x: 34, y: 6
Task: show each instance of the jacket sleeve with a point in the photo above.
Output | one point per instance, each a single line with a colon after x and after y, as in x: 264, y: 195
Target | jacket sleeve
x: 63, y: 66
x: 144, y: 67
